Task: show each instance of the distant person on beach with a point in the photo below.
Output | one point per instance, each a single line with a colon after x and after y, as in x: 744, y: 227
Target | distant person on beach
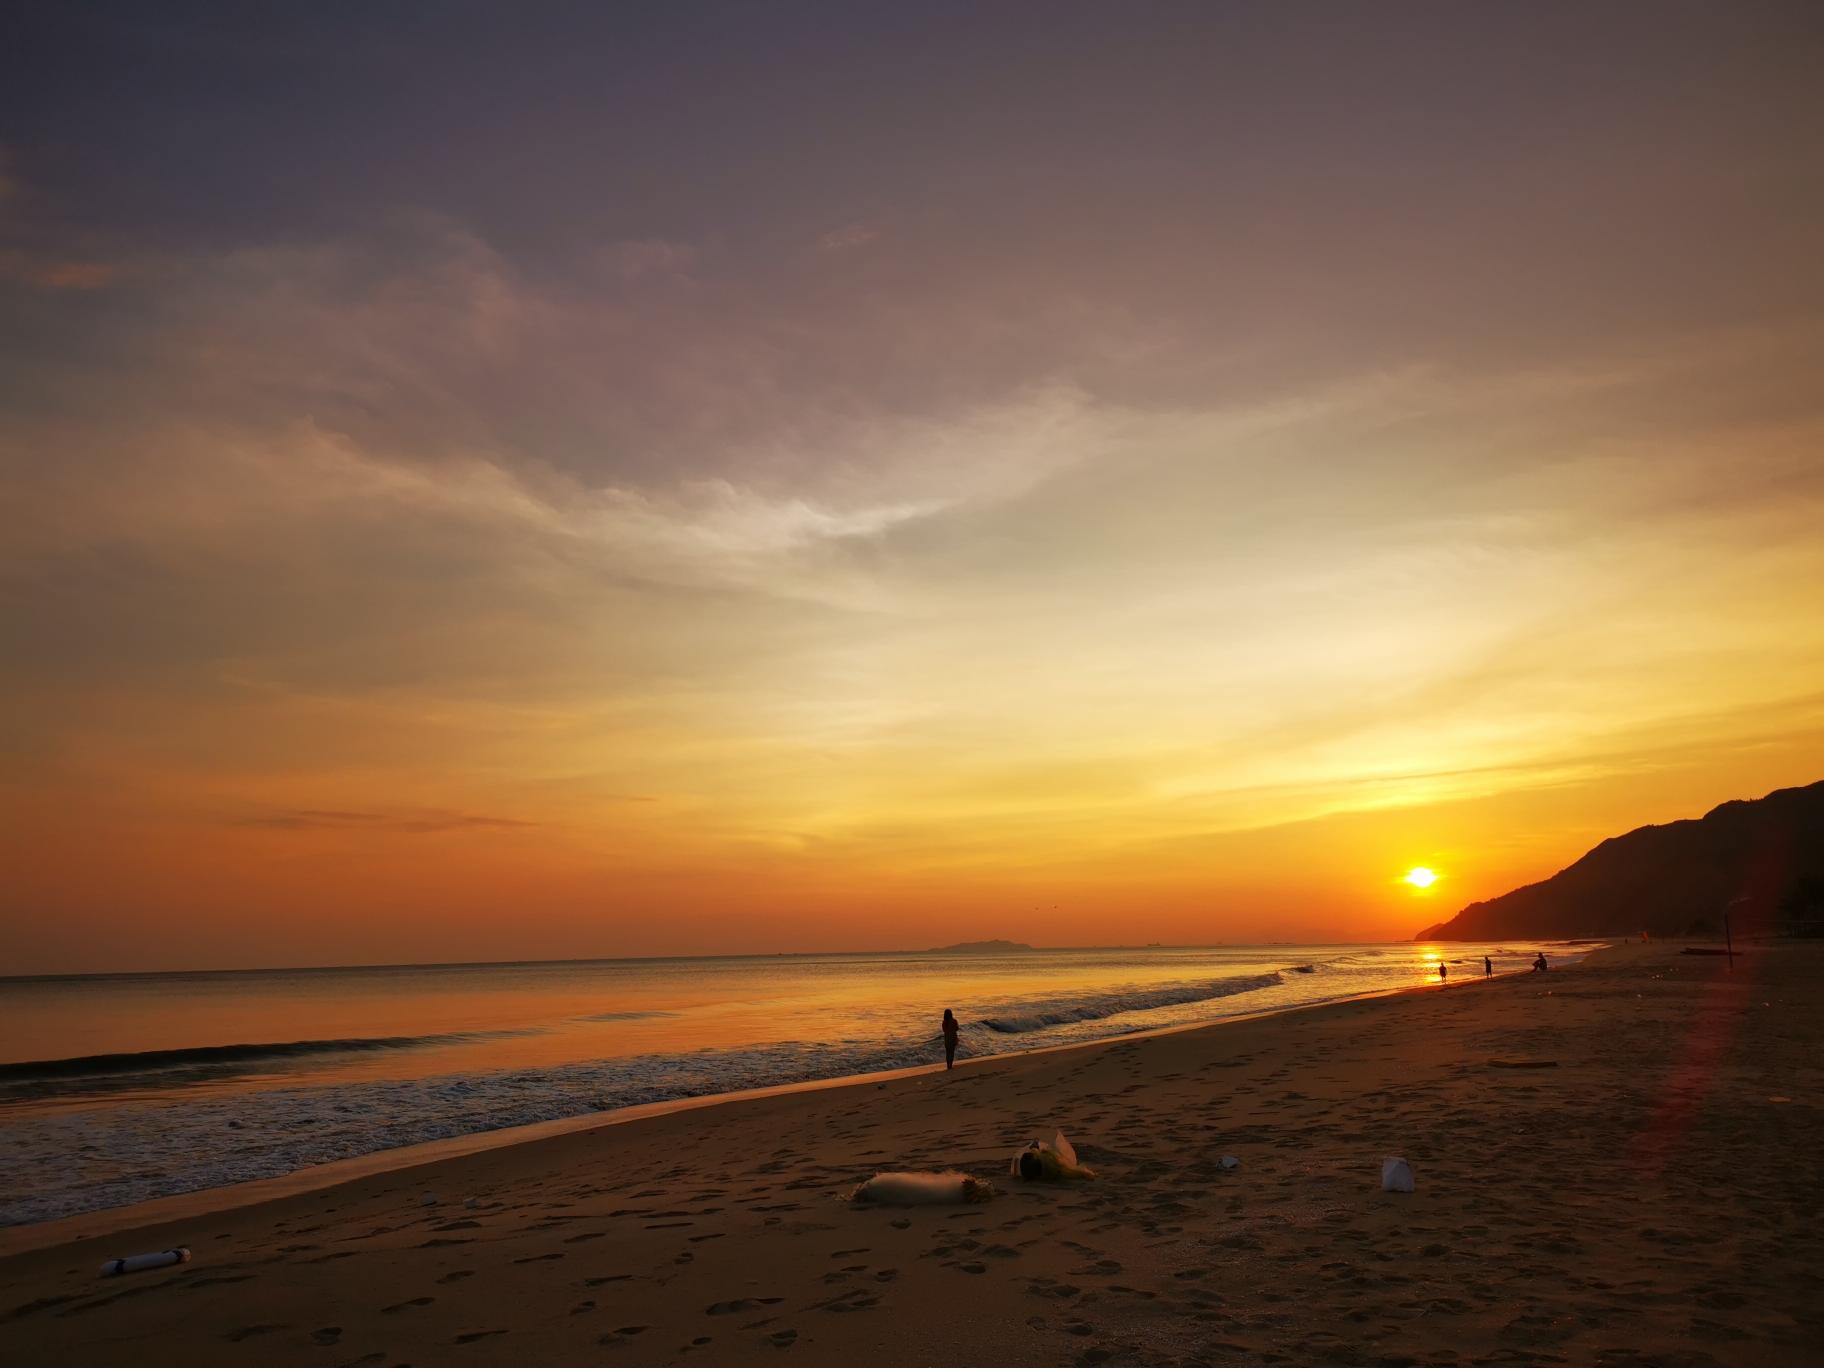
x: 950, y: 1030
x: 1539, y: 965
x: 1443, y: 970
x: 1488, y: 966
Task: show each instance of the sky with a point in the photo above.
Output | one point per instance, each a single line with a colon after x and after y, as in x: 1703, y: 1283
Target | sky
x: 499, y: 482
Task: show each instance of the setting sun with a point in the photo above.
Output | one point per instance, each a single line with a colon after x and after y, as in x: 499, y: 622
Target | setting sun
x: 1421, y: 877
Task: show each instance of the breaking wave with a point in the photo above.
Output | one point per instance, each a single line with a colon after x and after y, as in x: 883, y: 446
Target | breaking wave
x: 84, y: 1067
x: 1037, y: 1016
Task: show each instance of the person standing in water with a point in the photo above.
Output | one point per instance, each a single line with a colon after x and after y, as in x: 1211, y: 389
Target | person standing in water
x: 950, y: 1030
x: 1488, y: 967
x: 1443, y: 971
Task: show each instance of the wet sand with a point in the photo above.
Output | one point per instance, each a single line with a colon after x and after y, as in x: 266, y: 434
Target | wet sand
x: 1644, y: 1201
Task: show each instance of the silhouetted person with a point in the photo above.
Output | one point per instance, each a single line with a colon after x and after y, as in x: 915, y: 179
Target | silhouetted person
x: 1488, y: 966
x: 950, y: 1030
x: 1443, y: 971
x: 1539, y: 965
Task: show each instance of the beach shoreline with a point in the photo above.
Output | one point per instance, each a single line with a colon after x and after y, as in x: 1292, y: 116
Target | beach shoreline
x: 106, y: 1221
x: 1639, y: 1196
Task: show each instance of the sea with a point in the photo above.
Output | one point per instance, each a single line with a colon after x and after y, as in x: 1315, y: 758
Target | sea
x: 117, y: 1088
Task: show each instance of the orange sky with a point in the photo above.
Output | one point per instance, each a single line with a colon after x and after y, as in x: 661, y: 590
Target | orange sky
x: 1162, y: 507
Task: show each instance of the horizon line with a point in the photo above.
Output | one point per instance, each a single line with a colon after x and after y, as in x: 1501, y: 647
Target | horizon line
x: 649, y: 959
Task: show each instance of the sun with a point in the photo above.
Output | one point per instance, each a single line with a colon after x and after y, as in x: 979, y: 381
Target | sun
x: 1421, y: 877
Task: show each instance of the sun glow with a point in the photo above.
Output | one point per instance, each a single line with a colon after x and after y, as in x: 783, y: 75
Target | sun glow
x: 1420, y: 877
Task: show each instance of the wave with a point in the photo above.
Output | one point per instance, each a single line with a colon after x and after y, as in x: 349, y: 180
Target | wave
x: 626, y: 1016
x: 1036, y: 1016
x: 207, y: 1056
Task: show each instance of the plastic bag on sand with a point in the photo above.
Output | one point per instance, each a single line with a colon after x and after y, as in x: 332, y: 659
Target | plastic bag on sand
x: 1396, y: 1175
x: 921, y: 1189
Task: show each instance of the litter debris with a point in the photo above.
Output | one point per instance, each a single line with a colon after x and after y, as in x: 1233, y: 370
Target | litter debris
x: 922, y: 1189
x: 1229, y: 1163
x: 472, y: 1203
x: 429, y: 1199
x: 1396, y: 1175
x: 138, y: 1263
x: 1054, y: 1161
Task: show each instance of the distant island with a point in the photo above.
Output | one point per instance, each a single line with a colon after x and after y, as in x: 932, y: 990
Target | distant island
x: 1762, y: 858
x: 987, y: 947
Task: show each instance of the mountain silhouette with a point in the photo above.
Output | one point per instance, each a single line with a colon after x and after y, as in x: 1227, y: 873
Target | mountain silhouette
x: 1676, y: 879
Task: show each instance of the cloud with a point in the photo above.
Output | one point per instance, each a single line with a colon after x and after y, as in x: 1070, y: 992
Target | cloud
x: 847, y: 237
x: 55, y: 273
x: 650, y: 257
x: 399, y: 517
x: 410, y: 823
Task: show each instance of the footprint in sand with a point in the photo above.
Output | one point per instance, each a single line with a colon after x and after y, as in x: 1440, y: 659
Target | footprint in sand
x: 247, y: 1332
x: 470, y: 1336
x: 856, y: 1300
x: 397, y: 1307
x: 783, y: 1339
x: 729, y: 1308
x: 457, y: 1276
x: 329, y: 1334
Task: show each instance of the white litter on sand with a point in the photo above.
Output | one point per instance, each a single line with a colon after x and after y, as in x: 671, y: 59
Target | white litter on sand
x: 1396, y: 1175
x: 138, y: 1263
x: 921, y: 1189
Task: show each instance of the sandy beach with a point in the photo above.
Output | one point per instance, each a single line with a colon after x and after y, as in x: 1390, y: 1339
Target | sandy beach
x: 1650, y: 1198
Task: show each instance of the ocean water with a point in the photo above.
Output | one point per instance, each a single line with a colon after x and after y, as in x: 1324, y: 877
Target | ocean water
x: 118, y: 1088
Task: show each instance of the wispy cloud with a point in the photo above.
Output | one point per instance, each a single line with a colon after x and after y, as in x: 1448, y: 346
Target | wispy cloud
x: 392, y: 534
x: 412, y: 823
x: 847, y: 237
x: 55, y: 273
x: 650, y: 257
